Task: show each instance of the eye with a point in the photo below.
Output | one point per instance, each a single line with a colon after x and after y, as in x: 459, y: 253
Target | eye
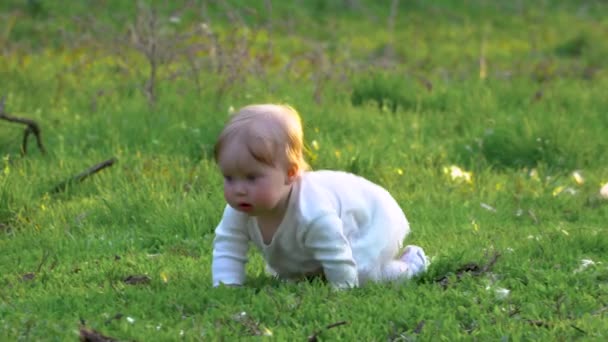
x: 252, y: 177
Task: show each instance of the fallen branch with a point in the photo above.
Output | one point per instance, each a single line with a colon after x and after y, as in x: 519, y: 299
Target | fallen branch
x: 137, y: 279
x: 91, y: 335
x: 31, y: 127
x: 83, y: 175
x: 419, y: 327
x: 471, y: 268
x: 315, y: 335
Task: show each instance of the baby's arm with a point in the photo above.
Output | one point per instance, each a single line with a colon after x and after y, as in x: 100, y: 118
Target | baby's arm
x: 325, y: 238
x: 229, y: 250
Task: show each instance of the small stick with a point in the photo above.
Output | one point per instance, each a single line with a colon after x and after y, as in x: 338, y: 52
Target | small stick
x: 419, y: 327
x: 471, y: 268
x: 83, y: 175
x: 31, y: 127
x: 314, y: 336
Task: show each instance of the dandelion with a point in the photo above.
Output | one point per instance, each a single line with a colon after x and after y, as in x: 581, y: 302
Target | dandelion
x: 315, y: 145
x: 457, y: 174
x: 163, y: 277
x: 338, y: 154
x: 578, y: 178
x: 399, y: 171
x: 604, y: 191
x: 230, y: 110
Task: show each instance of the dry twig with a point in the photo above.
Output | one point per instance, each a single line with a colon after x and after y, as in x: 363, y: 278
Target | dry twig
x: 31, y: 127
x: 90, y: 335
x: 315, y: 336
x: 81, y: 176
x: 471, y: 268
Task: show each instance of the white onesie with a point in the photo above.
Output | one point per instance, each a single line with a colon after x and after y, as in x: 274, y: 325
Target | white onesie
x: 337, y: 222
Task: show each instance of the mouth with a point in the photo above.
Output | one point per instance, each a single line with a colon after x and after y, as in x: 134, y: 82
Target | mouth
x: 246, y: 207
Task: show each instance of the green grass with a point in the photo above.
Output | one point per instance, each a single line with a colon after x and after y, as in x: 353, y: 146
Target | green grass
x: 398, y: 108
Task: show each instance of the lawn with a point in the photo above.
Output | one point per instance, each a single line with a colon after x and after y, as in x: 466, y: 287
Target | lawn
x: 486, y: 120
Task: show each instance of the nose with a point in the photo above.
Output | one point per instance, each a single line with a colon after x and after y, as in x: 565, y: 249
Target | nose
x: 240, y: 188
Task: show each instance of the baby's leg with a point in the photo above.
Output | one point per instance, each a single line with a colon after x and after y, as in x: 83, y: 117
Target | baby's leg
x: 411, y: 263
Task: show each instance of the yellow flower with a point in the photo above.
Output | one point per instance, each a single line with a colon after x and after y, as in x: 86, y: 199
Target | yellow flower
x: 163, y: 277
x: 578, y: 178
x: 399, y: 171
x: 315, y: 145
x: 266, y: 332
x: 337, y: 153
x: 557, y: 190
x: 457, y: 174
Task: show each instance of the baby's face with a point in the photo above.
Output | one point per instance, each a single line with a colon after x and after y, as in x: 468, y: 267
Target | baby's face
x: 251, y: 186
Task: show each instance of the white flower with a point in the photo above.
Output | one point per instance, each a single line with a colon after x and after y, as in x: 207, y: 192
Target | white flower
x: 585, y: 263
x: 488, y: 207
x: 604, y: 191
x: 502, y: 293
x: 130, y: 319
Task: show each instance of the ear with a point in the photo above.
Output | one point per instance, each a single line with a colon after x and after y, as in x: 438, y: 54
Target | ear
x: 292, y: 174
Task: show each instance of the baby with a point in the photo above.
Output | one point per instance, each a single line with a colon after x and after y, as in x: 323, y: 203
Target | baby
x: 303, y: 222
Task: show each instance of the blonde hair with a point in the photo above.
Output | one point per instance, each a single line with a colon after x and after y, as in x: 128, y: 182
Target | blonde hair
x: 271, y: 132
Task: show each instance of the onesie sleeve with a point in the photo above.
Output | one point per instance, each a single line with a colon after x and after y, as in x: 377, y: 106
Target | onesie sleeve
x: 325, y: 238
x: 230, y: 249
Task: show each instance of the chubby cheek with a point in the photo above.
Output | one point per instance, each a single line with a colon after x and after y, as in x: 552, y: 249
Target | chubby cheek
x: 265, y: 197
x: 227, y: 194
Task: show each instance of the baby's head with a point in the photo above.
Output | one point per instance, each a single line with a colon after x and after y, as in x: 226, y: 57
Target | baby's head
x: 271, y: 133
